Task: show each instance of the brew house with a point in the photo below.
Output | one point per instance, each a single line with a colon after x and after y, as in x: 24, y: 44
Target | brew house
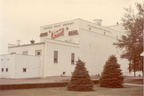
x: 61, y: 45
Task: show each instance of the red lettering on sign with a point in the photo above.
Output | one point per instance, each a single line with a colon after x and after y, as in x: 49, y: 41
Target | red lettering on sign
x: 57, y: 33
x: 43, y: 34
x: 73, y: 32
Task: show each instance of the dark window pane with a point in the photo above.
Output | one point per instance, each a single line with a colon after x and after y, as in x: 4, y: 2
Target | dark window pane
x: 72, y: 58
x: 24, y: 69
x: 55, y: 56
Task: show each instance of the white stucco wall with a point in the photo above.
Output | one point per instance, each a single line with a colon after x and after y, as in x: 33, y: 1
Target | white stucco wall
x: 31, y: 63
x: 118, y: 27
x: 7, y: 61
x: 31, y: 49
x: 28, y: 47
x: 93, y: 44
x: 67, y: 26
x: 64, y: 57
x: 96, y: 45
x: 15, y: 64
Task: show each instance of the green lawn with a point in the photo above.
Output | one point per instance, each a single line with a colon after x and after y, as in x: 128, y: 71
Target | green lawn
x: 62, y: 91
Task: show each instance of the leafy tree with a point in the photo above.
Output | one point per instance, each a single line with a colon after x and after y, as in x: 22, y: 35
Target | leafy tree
x: 80, y: 80
x: 111, y: 75
x: 132, y: 43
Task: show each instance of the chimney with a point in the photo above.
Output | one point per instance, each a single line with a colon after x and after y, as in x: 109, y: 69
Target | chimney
x: 18, y: 42
x: 32, y: 41
x: 98, y: 21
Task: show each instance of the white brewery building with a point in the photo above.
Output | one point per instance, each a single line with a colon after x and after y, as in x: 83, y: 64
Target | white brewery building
x: 61, y: 45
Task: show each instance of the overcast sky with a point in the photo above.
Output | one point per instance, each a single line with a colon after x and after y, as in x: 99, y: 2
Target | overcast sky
x: 21, y: 19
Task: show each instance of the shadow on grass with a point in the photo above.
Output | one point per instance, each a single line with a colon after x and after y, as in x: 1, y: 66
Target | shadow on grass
x: 62, y: 91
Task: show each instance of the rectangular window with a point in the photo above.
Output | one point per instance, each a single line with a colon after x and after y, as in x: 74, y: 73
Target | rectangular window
x: 13, y: 52
x: 6, y: 69
x: 24, y: 69
x: 55, y: 56
x: 25, y: 52
x: 2, y: 70
x: 37, y: 52
x: 72, y: 58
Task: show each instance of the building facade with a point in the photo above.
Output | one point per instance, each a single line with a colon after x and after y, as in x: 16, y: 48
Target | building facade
x: 62, y: 44
x: 19, y: 66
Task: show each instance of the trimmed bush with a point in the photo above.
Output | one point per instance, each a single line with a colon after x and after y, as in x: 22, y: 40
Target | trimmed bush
x: 111, y: 75
x: 80, y: 80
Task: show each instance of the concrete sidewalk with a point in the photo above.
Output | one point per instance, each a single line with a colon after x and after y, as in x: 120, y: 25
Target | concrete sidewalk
x: 33, y: 80
x: 38, y: 80
x: 133, y: 84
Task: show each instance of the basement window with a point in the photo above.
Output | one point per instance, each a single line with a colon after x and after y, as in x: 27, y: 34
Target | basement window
x: 64, y: 73
x: 24, y: 69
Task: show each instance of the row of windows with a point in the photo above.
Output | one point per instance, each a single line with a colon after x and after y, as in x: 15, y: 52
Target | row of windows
x: 6, y: 69
x: 105, y: 33
x: 66, y: 24
x: 56, y: 57
x: 37, y: 52
x: 51, y: 31
x: 3, y: 59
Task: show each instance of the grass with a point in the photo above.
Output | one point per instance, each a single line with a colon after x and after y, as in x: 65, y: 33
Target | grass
x: 62, y: 91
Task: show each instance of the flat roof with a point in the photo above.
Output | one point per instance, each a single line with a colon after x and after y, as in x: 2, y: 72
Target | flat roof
x: 26, y: 45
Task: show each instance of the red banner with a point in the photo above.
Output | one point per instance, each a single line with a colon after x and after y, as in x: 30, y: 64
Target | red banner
x: 43, y: 34
x: 57, y: 33
x: 73, y: 32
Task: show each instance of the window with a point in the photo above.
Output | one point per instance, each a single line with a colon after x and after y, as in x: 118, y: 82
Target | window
x: 64, y: 73
x: 6, y: 69
x: 72, y: 58
x: 25, y: 52
x: 67, y: 28
x: 38, y: 52
x: 2, y: 70
x: 104, y: 33
x: 55, y: 56
x: 24, y: 70
x: 13, y: 52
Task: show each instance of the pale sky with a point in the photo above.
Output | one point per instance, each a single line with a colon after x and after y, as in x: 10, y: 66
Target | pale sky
x: 21, y: 19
